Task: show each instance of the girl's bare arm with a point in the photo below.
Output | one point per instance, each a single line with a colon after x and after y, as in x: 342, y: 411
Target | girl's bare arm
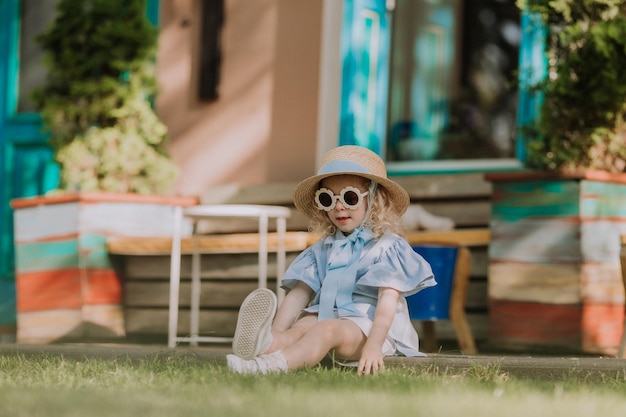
x: 295, y: 300
x: 371, y: 355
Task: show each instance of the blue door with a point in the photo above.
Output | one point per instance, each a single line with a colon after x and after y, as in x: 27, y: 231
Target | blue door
x: 26, y: 166
x: 365, y: 73
x: 26, y: 162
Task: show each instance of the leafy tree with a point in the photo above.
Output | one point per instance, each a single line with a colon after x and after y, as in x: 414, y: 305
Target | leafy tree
x: 582, y: 118
x: 95, y: 104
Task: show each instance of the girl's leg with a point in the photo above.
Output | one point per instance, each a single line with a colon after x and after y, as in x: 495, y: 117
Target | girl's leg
x: 282, y: 340
x: 342, y: 336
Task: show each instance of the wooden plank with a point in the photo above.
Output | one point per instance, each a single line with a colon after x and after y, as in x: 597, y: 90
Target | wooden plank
x: 100, y: 286
x: 418, y: 186
x: 603, y: 199
x: 128, y: 219
x: 463, y: 197
x: 214, y: 266
x: 47, y: 326
x: 462, y: 237
x: 103, y: 321
x: 602, y: 283
x: 66, y: 289
x: 32, y: 226
x: 602, y: 327
x: 48, y: 290
x: 222, y: 322
x: 277, y: 194
x: 93, y: 251
x: 90, y: 197
x: 477, y: 295
x: 549, y: 240
x: 445, y: 186
x: 514, y: 323
x: 444, y: 331
x: 464, y: 213
x: 93, y: 322
x: 516, y: 201
x: 534, y: 283
x: 296, y: 222
x: 49, y: 255
x: 222, y: 294
x: 600, y: 239
x: 480, y: 262
x: 229, y: 243
x: 153, y: 321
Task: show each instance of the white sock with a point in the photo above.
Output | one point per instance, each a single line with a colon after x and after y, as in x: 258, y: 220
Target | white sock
x: 263, y: 364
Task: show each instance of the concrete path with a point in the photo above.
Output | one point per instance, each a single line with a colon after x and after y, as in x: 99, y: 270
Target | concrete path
x: 551, y: 368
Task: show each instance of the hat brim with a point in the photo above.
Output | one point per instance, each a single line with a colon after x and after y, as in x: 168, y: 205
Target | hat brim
x: 304, y: 193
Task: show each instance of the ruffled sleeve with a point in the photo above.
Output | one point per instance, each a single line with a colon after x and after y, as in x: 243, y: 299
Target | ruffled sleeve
x: 304, y: 269
x: 401, y: 268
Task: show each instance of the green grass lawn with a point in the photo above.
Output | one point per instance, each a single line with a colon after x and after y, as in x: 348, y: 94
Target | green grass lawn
x: 189, y: 386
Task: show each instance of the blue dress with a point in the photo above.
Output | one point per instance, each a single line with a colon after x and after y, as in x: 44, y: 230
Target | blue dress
x: 388, y: 261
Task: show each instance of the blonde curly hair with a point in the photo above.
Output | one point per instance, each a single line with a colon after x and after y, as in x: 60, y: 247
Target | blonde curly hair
x: 381, y: 217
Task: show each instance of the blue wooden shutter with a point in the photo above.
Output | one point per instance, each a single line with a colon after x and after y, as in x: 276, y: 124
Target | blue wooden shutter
x: 365, y: 73
x: 533, y: 66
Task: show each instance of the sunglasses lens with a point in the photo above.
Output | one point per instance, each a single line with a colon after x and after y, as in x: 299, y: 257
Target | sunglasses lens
x: 351, y: 198
x: 325, y: 199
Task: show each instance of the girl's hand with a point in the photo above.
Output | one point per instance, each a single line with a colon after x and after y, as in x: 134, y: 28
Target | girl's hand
x: 372, y: 353
x: 371, y: 360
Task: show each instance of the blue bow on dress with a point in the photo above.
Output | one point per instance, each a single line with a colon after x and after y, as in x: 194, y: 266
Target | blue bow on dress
x: 338, y: 285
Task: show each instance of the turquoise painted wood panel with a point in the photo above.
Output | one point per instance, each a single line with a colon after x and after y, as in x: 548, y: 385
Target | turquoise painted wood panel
x: 45, y: 256
x: 94, y: 252
x: 518, y: 200
x: 603, y: 199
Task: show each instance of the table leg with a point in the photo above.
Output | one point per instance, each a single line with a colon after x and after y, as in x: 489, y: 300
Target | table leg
x: 263, y: 226
x: 194, y: 325
x: 174, y: 277
x: 281, y: 229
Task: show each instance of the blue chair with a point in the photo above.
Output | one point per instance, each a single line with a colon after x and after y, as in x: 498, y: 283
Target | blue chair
x: 445, y: 301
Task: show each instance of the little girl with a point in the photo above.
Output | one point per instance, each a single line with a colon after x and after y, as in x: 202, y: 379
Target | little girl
x: 346, y: 293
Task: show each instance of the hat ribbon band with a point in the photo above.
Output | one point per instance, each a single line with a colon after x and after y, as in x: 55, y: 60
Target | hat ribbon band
x: 342, y: 166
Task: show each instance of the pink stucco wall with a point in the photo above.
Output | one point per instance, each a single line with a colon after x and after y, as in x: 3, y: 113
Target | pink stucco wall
x: 263, y: 127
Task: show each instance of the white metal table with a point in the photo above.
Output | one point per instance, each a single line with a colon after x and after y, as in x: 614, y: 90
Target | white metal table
x: 263, y: 213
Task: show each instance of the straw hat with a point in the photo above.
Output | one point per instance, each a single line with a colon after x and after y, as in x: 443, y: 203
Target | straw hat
x: 350, y: 160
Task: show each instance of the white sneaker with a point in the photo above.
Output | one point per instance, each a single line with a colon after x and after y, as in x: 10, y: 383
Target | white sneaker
x: 264, y: 364
x: 253, y: 334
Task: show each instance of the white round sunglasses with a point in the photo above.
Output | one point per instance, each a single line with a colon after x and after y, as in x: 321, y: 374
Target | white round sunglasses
x: 350, y: 197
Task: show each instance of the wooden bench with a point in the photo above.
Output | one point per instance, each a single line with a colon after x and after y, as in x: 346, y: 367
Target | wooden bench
x: 229, y: 273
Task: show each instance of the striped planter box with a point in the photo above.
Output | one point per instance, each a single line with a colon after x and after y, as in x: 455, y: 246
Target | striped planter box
x: 554, y: 268
x: 66, y: 287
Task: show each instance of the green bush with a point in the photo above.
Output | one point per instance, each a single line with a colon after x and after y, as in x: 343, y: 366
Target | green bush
x: 100, y: 56
x: 582, y: 118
